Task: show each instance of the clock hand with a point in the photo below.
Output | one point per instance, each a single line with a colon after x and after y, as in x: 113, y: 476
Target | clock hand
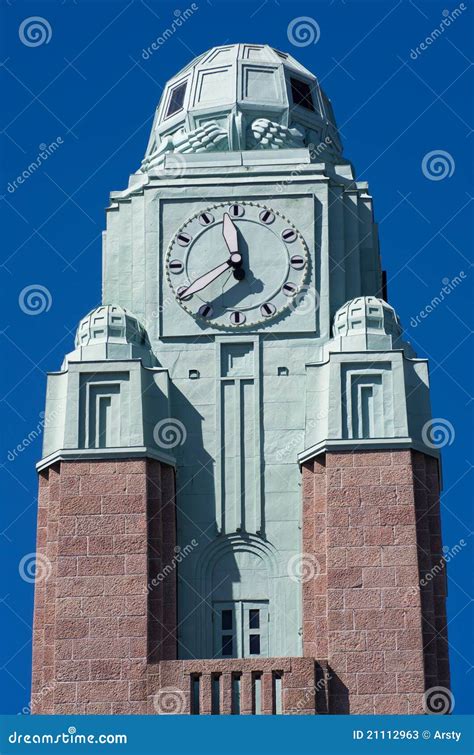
x: 204, y: 280
x: 229, y: 231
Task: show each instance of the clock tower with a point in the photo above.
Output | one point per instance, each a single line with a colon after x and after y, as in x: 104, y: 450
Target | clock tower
x: 239, y: 498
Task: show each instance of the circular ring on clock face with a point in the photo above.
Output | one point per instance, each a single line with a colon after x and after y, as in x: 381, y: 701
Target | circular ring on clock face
x: 289, y: 289
x: 236, y: 210
x: 205, y: 310
x: 205, y: 218
x: 267, y: 217
x: 237, y: 318
x: 176, y: 267
x: 268, y: 309
x: 180, y: 291
x: 230, y: 266
x: 297, y: 261
x: 289, y: 235
x: 183, y: 239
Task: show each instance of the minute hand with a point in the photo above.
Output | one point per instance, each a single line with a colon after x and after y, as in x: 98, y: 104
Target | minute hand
x: 229, y: 231
x: 205, y: 279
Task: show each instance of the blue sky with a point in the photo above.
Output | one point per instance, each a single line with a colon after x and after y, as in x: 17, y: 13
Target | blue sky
x: 90, y: 90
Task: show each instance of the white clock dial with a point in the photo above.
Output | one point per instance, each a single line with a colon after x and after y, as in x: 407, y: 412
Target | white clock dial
x: 237, y: 265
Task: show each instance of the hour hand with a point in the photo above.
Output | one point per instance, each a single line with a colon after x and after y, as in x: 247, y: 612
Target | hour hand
x: 229, y: 231
x: 205, y: 279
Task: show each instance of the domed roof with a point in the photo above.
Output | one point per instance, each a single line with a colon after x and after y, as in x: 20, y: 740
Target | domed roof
x: 242, y: 97
x: 366, y: 314
x: 110, y: 323
x: 111, y: 332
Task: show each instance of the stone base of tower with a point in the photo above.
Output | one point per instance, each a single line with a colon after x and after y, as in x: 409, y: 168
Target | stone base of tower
x: 374, y: 610
x: 105, y: 528
x: 371, y: 520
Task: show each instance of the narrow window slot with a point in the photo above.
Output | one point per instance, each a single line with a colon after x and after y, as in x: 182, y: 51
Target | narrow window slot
x: 257, y: 694
x: 227, y: 645
x: 254, y: 644
x: 236, y: 694
x: 254, y: 618
x: 176, y: 99
x: 105, y: 403
x: 215, y: 694
x: 195, y: 685
x: 226, y: 619
x: 277, y: 685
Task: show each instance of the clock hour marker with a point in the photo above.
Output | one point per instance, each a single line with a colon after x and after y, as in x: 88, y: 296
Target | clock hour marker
x: 176, y: 266
x: 180, y: 291
x: 297, y: 262
x: 288, y: 235
x: 237, y: 318
x: 206, y: 218
x: 205, y: 311
x: 267, y: 310
x: 236, y: 210
x: 183, y: 239
x: 267, y: 217
x: 289, y: 289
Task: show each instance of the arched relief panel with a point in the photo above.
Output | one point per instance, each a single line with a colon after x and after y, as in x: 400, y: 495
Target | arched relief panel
x: 237, y: 568
x: 240, y: 574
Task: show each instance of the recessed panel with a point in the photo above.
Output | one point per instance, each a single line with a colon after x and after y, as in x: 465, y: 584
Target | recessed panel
x: 260, y: 84
x: 255, y: 52
x: 222, y: 55
x: 214, y: 85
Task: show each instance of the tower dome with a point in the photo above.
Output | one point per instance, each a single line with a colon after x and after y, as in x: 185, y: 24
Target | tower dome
x: 110, y: 323
x: 242, y: 97
x: 111, y: 332
x: 366, y: 314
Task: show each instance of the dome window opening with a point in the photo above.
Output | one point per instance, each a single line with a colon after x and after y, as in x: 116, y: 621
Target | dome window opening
x: 301, y: 94
x: 176, y: 99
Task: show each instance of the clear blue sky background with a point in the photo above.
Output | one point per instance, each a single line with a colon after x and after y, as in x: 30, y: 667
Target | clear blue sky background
x: 91, y: 87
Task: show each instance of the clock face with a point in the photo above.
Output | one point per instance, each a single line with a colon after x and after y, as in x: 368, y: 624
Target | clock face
x: 237, y: 265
